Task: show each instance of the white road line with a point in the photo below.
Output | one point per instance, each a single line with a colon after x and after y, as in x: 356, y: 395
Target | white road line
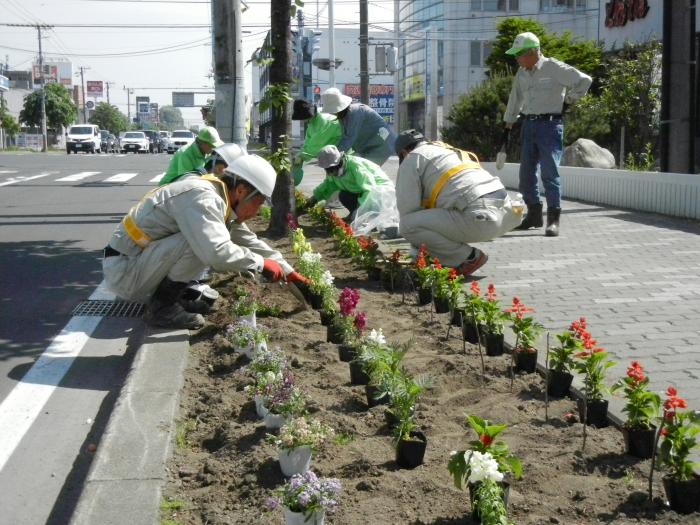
x: 121, y: 177
x: 157, y: 177
x: 78, y: 176
x: 8, y: 171
x: 26, y: 400
x: 15, y: 180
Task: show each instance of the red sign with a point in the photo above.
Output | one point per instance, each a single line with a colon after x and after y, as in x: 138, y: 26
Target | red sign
x: 619, y: 12
x: 317, y: 90
x: 353, y: 90
x: 94, y: 88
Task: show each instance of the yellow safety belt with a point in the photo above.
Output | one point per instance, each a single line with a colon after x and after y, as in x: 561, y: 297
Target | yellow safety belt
x: 470, y: 163
x: 140, y: 237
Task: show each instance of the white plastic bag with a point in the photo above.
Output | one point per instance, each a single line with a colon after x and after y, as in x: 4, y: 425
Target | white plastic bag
x: 378, y: 212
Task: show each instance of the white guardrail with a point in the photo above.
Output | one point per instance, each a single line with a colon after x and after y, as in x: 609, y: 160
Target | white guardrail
x: 675, y: 194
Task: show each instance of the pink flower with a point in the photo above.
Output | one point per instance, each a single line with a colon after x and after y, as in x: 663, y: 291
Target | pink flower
x: 360, y: 320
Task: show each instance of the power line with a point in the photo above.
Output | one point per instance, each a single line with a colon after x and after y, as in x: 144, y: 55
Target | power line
x: 170, y: 49
x: 123, y: 26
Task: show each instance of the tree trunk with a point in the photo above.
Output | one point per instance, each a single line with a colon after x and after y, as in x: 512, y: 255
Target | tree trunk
x: 280, y: 73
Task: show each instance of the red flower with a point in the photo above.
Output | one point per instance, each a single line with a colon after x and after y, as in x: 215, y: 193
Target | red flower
x: 486, y: 439
x: 663, y: 432
x: 491, y: 292
x: 671, y: 391
x: 453, y: 274
x: 475, y: 288
x: 420, y: 262
x: 292, y: 222
x: 360, y: 320
x: 635, y: 372
x: 436, y: 264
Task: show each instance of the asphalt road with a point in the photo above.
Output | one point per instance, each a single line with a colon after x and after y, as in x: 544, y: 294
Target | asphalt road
x: 58, y: 212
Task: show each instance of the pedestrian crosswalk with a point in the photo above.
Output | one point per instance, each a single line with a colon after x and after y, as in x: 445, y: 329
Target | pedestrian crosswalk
x: 10, y: 177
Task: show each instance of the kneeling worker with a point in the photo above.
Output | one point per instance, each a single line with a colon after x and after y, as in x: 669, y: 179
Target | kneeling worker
x: 179, y: 229
x: 354, y: 177
x: 192, y: 157
x: 447, y: 201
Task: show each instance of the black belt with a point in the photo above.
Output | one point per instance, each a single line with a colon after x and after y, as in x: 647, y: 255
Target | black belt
x: 110, y: 252
x: 543, y: 116
x: 498, y: 194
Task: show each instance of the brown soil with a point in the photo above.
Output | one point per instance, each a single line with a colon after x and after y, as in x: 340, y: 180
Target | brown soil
x: 226, y: 471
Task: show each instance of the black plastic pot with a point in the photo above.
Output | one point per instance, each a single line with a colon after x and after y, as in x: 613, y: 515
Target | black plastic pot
x: 494, y: 344
x: 425, y: 296
x: 596, y: 412
x: 410, y: 452
x: 374, y: 274
x: 442, y: 305
x: 683, y: 496
x: 346, y: 353
x: 469, y: 333
x: 639, y: 442
x: 326, y: 319
x: 304, y: 289
x: 334, y: 334
x: 559, y: 383
x: 315, y: 300
x: 456, y: 317
x: 371, y: 391
x: 357, y: 375
x: 525, y: 361
x: 395, y: 282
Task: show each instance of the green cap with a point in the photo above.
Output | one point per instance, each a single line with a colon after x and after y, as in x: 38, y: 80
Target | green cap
x: 209, y: 135
x: 524, y: 42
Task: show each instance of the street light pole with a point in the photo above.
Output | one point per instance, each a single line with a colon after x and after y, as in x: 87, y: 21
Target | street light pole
x: 82, y: 88
x: 44, y: 138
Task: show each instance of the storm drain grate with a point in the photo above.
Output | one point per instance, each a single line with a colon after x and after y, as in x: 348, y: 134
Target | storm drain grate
x: 109, y: 309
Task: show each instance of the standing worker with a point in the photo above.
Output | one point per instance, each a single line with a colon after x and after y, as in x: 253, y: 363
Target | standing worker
x: 322, y: 130
x: 541, y: 88
x: 178, y: 229
x: 447, y: 201
x: 192, y: 157
x: 364, y: 130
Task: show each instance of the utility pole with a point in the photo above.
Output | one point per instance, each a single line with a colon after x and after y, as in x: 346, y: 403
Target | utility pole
x: 107, y: 84
x: 82, y: 89
x: 364, y: 66
x: 229, y: 81
x: 331, y: 45
x: 128, y: 103
x: 39, y: 27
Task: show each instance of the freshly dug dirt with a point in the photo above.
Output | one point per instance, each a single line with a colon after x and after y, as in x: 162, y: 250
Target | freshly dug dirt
x: 226, y: 470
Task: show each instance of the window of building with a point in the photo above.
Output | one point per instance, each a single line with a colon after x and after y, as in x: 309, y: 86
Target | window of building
x: 479, y: 51
x: 553, y: 6
x: 495, y: 5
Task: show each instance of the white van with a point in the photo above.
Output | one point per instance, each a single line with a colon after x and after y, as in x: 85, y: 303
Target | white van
x: 84, y: 137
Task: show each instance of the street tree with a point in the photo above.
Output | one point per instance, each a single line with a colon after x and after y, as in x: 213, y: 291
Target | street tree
x: 109, y: 117
x: 7, y: 122
x: 277, y: 99
x: 60, y: 110
x: 171, y: 118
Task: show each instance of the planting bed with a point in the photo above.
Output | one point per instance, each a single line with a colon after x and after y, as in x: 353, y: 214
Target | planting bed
x: 223, y: 470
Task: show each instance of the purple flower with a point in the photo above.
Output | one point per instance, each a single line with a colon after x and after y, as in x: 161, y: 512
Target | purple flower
x: 272, y: 503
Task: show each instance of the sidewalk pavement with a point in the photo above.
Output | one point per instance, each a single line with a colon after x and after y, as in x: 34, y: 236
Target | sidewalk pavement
x: 634, y: 276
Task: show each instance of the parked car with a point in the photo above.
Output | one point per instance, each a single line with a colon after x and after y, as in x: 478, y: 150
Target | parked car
x: 164, y: 139
x: 83, y: 137
x: 180, y: 138
x: 154, y: 138
x: 109, y: 142
x: 135, y: 141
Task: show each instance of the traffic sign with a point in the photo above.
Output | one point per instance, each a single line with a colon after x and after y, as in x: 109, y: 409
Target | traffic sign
x: 183, y: 99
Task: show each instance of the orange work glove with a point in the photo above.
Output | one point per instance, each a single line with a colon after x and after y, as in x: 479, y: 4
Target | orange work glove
x: 296, y: 277
x: 272, y: 271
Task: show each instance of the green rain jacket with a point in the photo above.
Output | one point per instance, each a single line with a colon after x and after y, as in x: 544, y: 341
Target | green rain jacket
x: 321, y: 130
x: 359, y: 177
x: 186, y: 160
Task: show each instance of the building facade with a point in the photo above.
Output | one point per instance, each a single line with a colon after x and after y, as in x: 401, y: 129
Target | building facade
x: 451, y: 41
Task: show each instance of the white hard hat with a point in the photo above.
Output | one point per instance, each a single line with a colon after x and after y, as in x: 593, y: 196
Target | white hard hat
x: 229, y: 152
x: 329, y: 157
x: 333, y: 101
x: 256, y: 171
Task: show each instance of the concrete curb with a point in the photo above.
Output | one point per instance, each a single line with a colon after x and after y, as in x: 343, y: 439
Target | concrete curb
x: 125, y: 481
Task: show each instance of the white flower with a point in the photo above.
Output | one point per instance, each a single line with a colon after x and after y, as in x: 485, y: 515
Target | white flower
x: 311, y: 258
x: 327, y: 279
x: 377, y: 336
x: 483, y: 467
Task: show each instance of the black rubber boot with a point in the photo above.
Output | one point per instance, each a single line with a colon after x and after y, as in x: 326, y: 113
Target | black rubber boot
x: 533, y: 219
x: 165, y: 311
x: 552, y: 229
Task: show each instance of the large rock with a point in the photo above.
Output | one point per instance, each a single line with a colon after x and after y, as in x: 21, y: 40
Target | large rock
x: 584, y: 153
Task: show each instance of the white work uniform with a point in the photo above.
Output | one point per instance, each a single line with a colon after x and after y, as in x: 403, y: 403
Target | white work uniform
x: 461, y: 215
x: 186, y: 222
